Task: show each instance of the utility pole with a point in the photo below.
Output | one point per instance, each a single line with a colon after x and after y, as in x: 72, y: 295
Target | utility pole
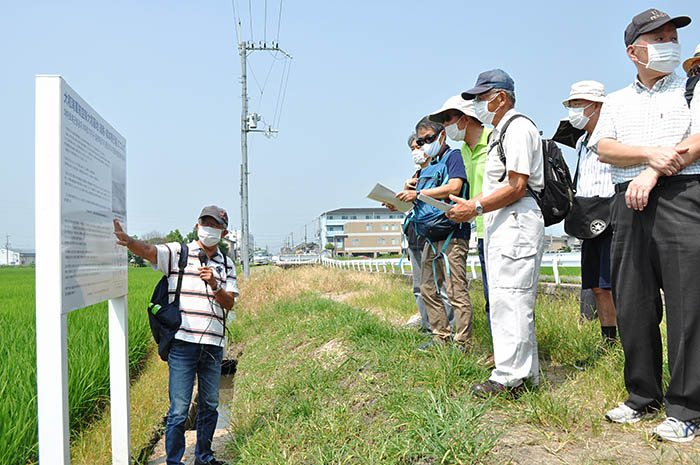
x: 249, y: 123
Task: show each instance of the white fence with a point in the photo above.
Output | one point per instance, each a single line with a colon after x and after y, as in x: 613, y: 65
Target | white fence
x: 396, y: 265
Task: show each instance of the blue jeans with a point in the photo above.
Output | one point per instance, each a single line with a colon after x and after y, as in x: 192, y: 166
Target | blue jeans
x: 187, y: 359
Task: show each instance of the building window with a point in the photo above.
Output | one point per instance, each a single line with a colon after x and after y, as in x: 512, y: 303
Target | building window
x: 394, y: 227
x: 330, y: 217
x: 394, y: 241
x: 344, y: 217
x: 368, y: 217
x: 381, y: 241
x: 369, y: 227
x: 355, y: 242
x: 385, y: 227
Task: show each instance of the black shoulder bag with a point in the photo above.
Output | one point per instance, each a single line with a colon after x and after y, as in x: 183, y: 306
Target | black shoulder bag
x: 589, y: 216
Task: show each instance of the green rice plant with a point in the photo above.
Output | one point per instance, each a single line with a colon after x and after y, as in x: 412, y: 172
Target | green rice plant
x: 88, y: 358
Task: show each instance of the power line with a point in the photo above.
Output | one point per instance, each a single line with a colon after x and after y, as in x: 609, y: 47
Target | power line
x: 250, y: 12
x: 236, y: 23
x: 279, y: 22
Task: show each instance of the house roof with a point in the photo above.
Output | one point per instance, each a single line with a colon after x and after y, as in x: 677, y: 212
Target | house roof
x: 357, y: 211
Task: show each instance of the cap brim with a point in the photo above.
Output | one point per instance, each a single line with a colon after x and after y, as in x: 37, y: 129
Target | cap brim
x: 474, y: 91
x: 679, y: 22
x: 690, y: 62
x: 590, y: 98
x: 218, y: 220
x: 438, y: 116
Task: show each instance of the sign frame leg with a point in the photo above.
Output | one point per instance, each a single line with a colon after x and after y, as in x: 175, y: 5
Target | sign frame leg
x: 119, y: 380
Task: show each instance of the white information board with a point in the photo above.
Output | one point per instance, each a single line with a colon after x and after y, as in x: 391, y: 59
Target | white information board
x: 93, y: 191
x: 80, y: 182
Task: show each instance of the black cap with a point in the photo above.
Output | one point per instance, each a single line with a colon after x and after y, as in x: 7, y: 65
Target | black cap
x: 491, y: 79
x: 649, y: 20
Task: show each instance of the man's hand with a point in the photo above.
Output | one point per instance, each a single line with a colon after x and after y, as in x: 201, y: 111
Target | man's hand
x: 407, y: 195
x: 410, y: 183
x: 637, y: 195
x: 666, y: 160
x: 463, y: 211
x: 122, y: 237
x: 206, y: 273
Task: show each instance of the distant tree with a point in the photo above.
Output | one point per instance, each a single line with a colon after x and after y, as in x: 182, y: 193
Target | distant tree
x: 174, y: 236
x: 192, y: 236
x: 330, y: 247
x: 223, y: 246
x: 154, y: 237
x: 565, y: 249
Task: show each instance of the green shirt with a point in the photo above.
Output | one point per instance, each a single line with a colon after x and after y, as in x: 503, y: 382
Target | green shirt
x: 474, y: 164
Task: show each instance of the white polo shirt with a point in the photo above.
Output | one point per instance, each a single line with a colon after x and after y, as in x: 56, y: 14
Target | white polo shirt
x: 202, y: 316
x: 522, y: 145
x: 637, y: 115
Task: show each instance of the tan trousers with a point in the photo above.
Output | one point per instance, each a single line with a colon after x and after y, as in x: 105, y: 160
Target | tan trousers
x: 457, y: 290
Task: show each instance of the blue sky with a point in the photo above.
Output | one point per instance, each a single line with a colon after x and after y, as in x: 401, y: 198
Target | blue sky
x: 166, y: 75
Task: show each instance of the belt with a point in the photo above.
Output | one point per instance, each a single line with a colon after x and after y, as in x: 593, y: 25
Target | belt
x: 663, y: 181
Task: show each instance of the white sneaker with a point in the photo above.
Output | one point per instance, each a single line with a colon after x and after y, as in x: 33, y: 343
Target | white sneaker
x: 677, y: 430
x: 624, y: 414
x: 412, y: 322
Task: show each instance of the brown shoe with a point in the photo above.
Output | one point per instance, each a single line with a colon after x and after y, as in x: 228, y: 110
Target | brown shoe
x: 492, y: 388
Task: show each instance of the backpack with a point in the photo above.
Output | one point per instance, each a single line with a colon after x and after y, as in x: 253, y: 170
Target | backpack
x: 431, y: 222
x: 164, y: 316
x: 557, y: 196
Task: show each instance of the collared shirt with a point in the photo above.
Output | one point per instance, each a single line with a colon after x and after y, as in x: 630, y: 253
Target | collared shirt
x: 522, y: 145
x: 695, y: 111
x: 637, y: 115
x: 594, y: 177
x: 202, y: 316
x: 474, y: 165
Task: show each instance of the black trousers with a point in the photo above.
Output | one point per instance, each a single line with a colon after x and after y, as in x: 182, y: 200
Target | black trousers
x: 659, y: 248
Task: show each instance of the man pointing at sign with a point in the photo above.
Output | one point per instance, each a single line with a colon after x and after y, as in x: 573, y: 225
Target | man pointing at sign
x: 208, y: 291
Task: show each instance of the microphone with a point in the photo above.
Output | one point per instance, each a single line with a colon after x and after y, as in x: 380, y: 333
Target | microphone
x: 203, y: 260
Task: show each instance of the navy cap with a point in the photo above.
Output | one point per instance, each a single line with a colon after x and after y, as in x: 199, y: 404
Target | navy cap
x: 492, y: 79
x: 649, y: 20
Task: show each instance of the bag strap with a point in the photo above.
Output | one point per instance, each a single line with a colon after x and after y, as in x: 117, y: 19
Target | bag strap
x: 182, y: 264
x: 578, y: 162
x: 437, y: 256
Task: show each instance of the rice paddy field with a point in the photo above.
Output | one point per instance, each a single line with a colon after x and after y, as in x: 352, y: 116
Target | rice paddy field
x: 88, y: 358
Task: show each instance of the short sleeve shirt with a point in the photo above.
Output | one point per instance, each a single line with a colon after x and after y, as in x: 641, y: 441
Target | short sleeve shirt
x: 522, y: 145
x: 474, y: 165
x: 455, y: 169
x: 695, y: 111
x: 637, y: 115
x: 594, y: 177
x: 202, y: 316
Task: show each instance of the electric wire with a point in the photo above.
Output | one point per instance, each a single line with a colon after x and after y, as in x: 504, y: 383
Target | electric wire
x: 279, y: 22
x: 265, y: 27
x: 250, y: 12
x: 235, y: 21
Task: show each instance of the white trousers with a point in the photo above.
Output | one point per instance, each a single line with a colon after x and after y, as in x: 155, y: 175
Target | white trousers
x: 514, y: 245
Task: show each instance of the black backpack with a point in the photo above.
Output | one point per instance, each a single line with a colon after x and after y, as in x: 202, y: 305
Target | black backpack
x: 557, y: 196
x: 163, y: 316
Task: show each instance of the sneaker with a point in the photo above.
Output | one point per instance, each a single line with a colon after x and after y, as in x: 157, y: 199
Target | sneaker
x: 426, y: 346
x: 624, y: 414
x: 412, y: 322
x: 676, y: 430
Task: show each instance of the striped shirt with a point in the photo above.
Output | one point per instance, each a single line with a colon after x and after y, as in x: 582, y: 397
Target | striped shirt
x: 695, y: 111
x: 202, y: 316
x: 636, y: 115
x: 594, y: 177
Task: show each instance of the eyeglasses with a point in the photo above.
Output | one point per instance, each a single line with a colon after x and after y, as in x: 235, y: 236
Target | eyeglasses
x: 427, y: 139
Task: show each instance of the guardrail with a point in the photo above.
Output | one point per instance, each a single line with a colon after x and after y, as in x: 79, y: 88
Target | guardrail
x: 396, y: 265
x: 297, y: 259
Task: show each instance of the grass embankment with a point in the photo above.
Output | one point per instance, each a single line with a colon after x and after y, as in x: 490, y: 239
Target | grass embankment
x: 327, y: 376
x: 88, y: 367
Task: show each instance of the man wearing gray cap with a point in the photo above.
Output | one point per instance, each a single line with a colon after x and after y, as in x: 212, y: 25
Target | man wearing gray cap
x: 589, y: 220
x: 462, y: 125
x: 208, y: 292
x: 514, y: 230
x: 642, y: 131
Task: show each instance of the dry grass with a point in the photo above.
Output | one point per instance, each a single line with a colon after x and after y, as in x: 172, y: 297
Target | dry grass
x: 148, y: 404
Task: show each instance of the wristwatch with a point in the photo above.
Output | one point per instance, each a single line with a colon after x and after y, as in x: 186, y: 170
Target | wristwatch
x: 478, y: 208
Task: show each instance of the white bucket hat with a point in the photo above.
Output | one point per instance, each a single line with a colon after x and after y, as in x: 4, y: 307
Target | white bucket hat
x: 454, y: 103
x: 592, y: 91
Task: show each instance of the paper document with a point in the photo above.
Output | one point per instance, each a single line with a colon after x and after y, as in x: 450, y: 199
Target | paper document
x: 383, y: 194
x: 435, y: 203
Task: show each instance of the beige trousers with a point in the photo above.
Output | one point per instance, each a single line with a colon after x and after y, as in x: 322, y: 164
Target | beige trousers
x: 457, y: 290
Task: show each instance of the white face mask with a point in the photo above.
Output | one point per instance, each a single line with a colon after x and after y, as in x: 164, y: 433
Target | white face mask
x: 418, y: 156
x: 433, y: 148
x: 482, y: 112
x: 208, y: 236
x: 664, y: 57
x: 577, y: 118
x: 454, y: 133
